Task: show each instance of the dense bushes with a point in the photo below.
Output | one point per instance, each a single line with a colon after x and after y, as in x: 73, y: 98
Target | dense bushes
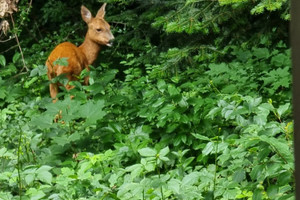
x: 192, y: 102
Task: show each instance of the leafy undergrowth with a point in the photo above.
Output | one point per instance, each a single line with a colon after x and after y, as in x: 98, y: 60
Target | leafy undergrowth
x: 219, y: 131
x: 192, y: 102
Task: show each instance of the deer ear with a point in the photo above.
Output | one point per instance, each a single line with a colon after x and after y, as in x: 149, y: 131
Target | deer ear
x: 101, y: 11
x: 86, y: 14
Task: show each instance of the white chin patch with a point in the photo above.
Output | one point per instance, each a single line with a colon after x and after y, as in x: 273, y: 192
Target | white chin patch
x: 109, y: 44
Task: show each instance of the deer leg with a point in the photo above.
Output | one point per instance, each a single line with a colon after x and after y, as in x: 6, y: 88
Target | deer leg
x: 86, y: 80
x: 53, y: 91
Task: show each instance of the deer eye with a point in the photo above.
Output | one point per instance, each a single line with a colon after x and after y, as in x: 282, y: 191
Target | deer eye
x: 98, y: 29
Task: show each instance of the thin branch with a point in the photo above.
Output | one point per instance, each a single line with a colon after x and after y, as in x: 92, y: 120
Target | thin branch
x: 17, y: 39
x: 3, y: 41
x: 12, y: 47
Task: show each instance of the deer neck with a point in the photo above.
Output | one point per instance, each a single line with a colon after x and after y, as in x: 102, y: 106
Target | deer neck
x: 90, y: 49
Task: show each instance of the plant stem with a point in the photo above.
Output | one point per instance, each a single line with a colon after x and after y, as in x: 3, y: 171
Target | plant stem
x: 19, y: 165
x: 216, y: 164
x: 158, y: 172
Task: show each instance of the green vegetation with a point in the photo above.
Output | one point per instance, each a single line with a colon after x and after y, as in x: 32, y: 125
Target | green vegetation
x: 193, y: 101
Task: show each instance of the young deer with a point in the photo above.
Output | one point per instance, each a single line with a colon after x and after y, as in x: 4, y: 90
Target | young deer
x: 81, y: 57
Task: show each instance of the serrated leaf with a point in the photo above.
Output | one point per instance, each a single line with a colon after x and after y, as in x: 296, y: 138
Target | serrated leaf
x: 280, y: 60
x: 147, y: 152
x: 261, y: 53
x: 42, y: 121
x: 92, y: 111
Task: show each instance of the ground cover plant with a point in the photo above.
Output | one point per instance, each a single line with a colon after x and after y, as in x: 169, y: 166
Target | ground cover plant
x: 193, y: 101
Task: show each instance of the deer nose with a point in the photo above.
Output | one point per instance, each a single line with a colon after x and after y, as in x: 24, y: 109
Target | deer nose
x: 110, y: 42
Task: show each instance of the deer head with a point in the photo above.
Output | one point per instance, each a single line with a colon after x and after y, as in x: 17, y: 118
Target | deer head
x: 98, y: 29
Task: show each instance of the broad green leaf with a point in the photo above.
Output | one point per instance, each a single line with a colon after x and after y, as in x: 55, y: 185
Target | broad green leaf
x: 280, y: 60
x: 147, y: 152
x: 216, y: 69
x: 208, y: 148
x: 230, y: 193
x: 191, y: 179
x: 174, y: 185
x: 3, y: 150
x: 163, y: 158
x: 188, y: 161
x: 43, y: 174
x: 164, y: 151
x: 272, y: 191
x: 167, y: 109
x: 38, y: 70
x: 61, y: 140
x: 113, y: 180
x: 282, y: 109
x: 61, y: 62
x: 285, y: 178
x: 35, y: 194
x: 148, y: 165
x: 212, y: 113
x: 161, y: 85
x: 261, y: 53
x: 173, y: 90
x: 29, y: 178
x: 281, y: 147
x: 239, y: 175
x: 257, y: 195
x: 135, y: 170
x: 200, y: 137
x: 16, y: 57
x: 2, y: 61
x: 92, y: 111
x: 159, y: 102
x: 42, y: 121
x: 260, y: 119
x: 256, y: 172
